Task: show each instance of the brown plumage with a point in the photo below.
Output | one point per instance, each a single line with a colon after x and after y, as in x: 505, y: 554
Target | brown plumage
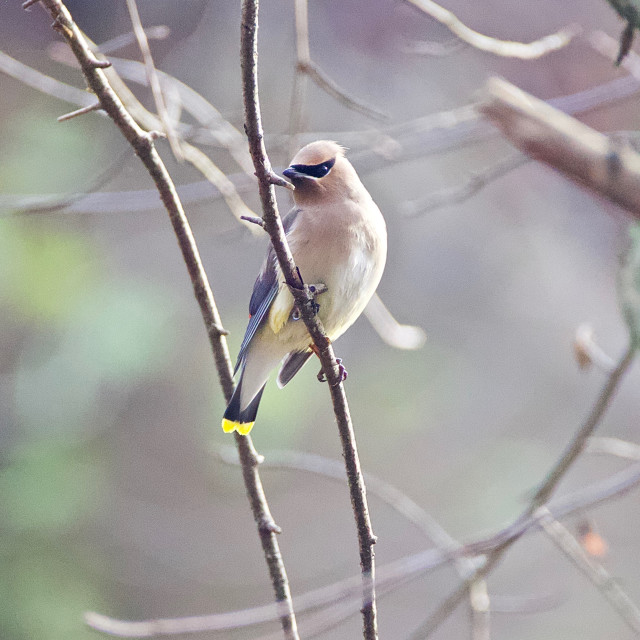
x: 337, y: 236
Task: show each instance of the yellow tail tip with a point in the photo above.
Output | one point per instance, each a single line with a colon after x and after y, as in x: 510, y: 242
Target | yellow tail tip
x: 243, y: 428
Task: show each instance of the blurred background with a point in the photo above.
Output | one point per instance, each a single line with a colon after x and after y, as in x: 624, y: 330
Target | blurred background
x: 113, y: 496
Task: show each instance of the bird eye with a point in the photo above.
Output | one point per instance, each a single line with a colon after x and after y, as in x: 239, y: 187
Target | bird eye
x: 315, y: 170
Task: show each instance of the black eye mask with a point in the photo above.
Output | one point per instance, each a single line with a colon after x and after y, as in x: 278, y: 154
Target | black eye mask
x: 315, y: 170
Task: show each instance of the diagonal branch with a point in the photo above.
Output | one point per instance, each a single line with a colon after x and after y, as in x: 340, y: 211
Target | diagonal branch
x: 273, y: 226
x: 152, y: 75
x: 536, y: 507
x: 610, y: 588
x: 580, y: 439
x: 581, y: 154
x: 143, y: 144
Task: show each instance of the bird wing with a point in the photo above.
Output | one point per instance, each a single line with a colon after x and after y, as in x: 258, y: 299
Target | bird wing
x: 291, y: 364
x: 265, y: 290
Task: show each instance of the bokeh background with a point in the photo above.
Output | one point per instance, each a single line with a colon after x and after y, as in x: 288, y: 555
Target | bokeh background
x: 112, y: 496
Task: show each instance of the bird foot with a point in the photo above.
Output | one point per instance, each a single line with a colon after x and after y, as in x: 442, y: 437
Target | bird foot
x: 342, y: 372
x: 314, y: 290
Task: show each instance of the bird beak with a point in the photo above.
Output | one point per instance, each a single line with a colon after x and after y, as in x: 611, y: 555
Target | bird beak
x: 292, y: 174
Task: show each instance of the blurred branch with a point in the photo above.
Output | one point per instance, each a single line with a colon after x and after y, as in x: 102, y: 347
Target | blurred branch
x: 108, y: 202
x: 505, y: 48
x: 588, y: 352
x: 29, y: 205
x: 390, y: 575
x: 220, y: 131
x: 146, y: 119
x: 579, y: 441
x: 306, y: 68
x: 297, y: 111
x: 593, y: 570
x: 334, y: 469
x: 399, y: 502
x: 434, y: 49
x: 44, y: 83
x: 399, y: 336
x: 329, y: 86
x: 583, y: 155
x: 192, y: 154
x: 273, y: 226
x: 462, y: 192
x: 143, y: 144
x: 159, y: 32
x: 432, y: 134
x: 536, y: 506
x: 152, y: 76
x: 480, y: 610
x: 614, y: 447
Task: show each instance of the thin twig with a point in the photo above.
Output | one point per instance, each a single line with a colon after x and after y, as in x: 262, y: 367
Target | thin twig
x: 273, y: 226
x: 96, y: 106
x: 306, y: 68
x: 468, y: 188
x: 143, y: 144
x: 329, y: 86
x: 505, y: 48
x: 154, y: 81
x: 297, y: 109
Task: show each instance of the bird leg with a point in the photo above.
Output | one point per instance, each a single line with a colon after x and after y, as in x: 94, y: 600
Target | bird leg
x: 316, y: 290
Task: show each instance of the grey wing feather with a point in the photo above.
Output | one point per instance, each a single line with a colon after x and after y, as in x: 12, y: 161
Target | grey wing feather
x: 265, y: 290
x: 291, y: 364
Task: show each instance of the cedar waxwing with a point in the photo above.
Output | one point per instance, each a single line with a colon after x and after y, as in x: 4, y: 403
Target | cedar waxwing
x: 338, y: 238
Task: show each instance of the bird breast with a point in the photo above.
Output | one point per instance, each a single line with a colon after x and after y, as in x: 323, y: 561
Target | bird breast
x: 345, y: 249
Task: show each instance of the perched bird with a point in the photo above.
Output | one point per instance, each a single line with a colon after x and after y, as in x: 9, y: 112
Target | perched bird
x: 338, y: 238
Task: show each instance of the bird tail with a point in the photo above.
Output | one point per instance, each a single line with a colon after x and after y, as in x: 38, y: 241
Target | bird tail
x: 237, y: 419
x: 291, y: 364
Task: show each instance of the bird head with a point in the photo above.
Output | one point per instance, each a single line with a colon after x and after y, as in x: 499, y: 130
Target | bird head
x: 320, y: 171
